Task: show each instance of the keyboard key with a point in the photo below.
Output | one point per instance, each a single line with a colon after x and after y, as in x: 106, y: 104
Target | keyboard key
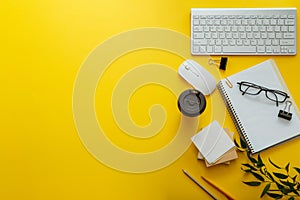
x: 287, y: 42
x: 280, y: 22
x: 291, y: 49
x: 255, y: 28
x: 289, y: 22
x: 256, y: 35
x: 200, y: 42
x: 284, y: 50
x: 218, y: 42
x: 196, y: 49
x: 222, y: 35
x: 271, y: 35
x: 253, y: 42
x: 259, y: 22
x: 264, y: 35
x: 260, y: 42
x: 239, y: 49
x: 273, y: 21
x: 268, y: 42
x: 277, y: 28
x: 218, y: 49
x: 269, y: 49
x: 249, y: 35
x: 231, y: 42
x: 202, y: 49
x: 202, y: 22
x: 220, y: 29
x: 209, y: 49
x: 276, y: 49
x: 227, y: 29
x: 208, y: 35
x: 246, y: 42
x: 283, y: 16
x: 284, y: 28
x: 275, y: 42
x: 239, y: 42
x: 291, y: 28
x: 243, y: 35
x: 266, y: 22
x: 225, y: 42
x: 261, y: 49
x: 198, y: 35
x: 278, y: 35
x: 211, y: 42
x: 288, y: 35
x: 269, y: 28
x: 262, y: 28
x: 248, y: 28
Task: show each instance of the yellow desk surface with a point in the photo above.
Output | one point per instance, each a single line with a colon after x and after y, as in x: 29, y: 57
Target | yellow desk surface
x: 43, y: 48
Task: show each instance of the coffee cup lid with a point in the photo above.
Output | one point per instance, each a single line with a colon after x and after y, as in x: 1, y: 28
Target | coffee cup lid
x: 191, y: 103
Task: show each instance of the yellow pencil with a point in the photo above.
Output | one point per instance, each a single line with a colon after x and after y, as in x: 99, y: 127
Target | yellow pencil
x: 217, y: 188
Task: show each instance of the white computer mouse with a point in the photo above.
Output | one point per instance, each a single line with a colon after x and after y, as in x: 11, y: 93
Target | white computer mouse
x: 197, y: 76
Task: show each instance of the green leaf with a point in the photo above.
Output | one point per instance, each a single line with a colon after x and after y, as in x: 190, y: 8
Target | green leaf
x: 297, y: 169
x: 275, y: 196
x: 291, y: 198
x: 279, y: 186
x: 253, y: 160
x: 240, y: 145
x: 287, y: 167
x: 285, y: 191
x: 247, y: 170
x: 236, y: 143
x: 280, y: 175
x: 252, y: 183
x: 249, y: 166
x: 243, y: 143
x: 241, y: 149
x: 294, y: 178
x: 266, y: 189
x: 259, y: 162
x: 274, y: 164
x: 291, y: 185
x: 258, y: 176
x: 262, y: 170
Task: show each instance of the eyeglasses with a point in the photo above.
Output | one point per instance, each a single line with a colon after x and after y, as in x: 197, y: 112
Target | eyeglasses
x: 253, y: 89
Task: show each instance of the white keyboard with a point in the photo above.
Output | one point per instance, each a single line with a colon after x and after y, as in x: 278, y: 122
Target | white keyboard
x: 243, y: 31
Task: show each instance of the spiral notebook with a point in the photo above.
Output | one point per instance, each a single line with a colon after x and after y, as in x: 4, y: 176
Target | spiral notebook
x: 255, y: 116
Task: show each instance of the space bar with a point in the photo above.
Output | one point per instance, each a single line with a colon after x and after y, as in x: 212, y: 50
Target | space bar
x: 239, y: 49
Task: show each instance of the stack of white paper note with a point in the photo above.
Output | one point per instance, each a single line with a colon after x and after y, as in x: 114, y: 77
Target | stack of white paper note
x: 215, y: 145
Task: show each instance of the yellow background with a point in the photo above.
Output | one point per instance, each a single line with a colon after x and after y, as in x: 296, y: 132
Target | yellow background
x: 43, y: 45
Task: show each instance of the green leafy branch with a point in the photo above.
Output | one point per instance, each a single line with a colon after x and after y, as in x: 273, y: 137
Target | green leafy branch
x: 277, y: 184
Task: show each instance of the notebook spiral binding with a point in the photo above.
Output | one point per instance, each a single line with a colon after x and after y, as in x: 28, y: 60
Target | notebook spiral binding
x: 234, y: 116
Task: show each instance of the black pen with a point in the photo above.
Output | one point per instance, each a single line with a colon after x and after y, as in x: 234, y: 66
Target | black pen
x: 203, y: 188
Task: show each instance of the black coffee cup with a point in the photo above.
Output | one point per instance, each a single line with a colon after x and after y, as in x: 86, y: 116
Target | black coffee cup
x: 191, y: 103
